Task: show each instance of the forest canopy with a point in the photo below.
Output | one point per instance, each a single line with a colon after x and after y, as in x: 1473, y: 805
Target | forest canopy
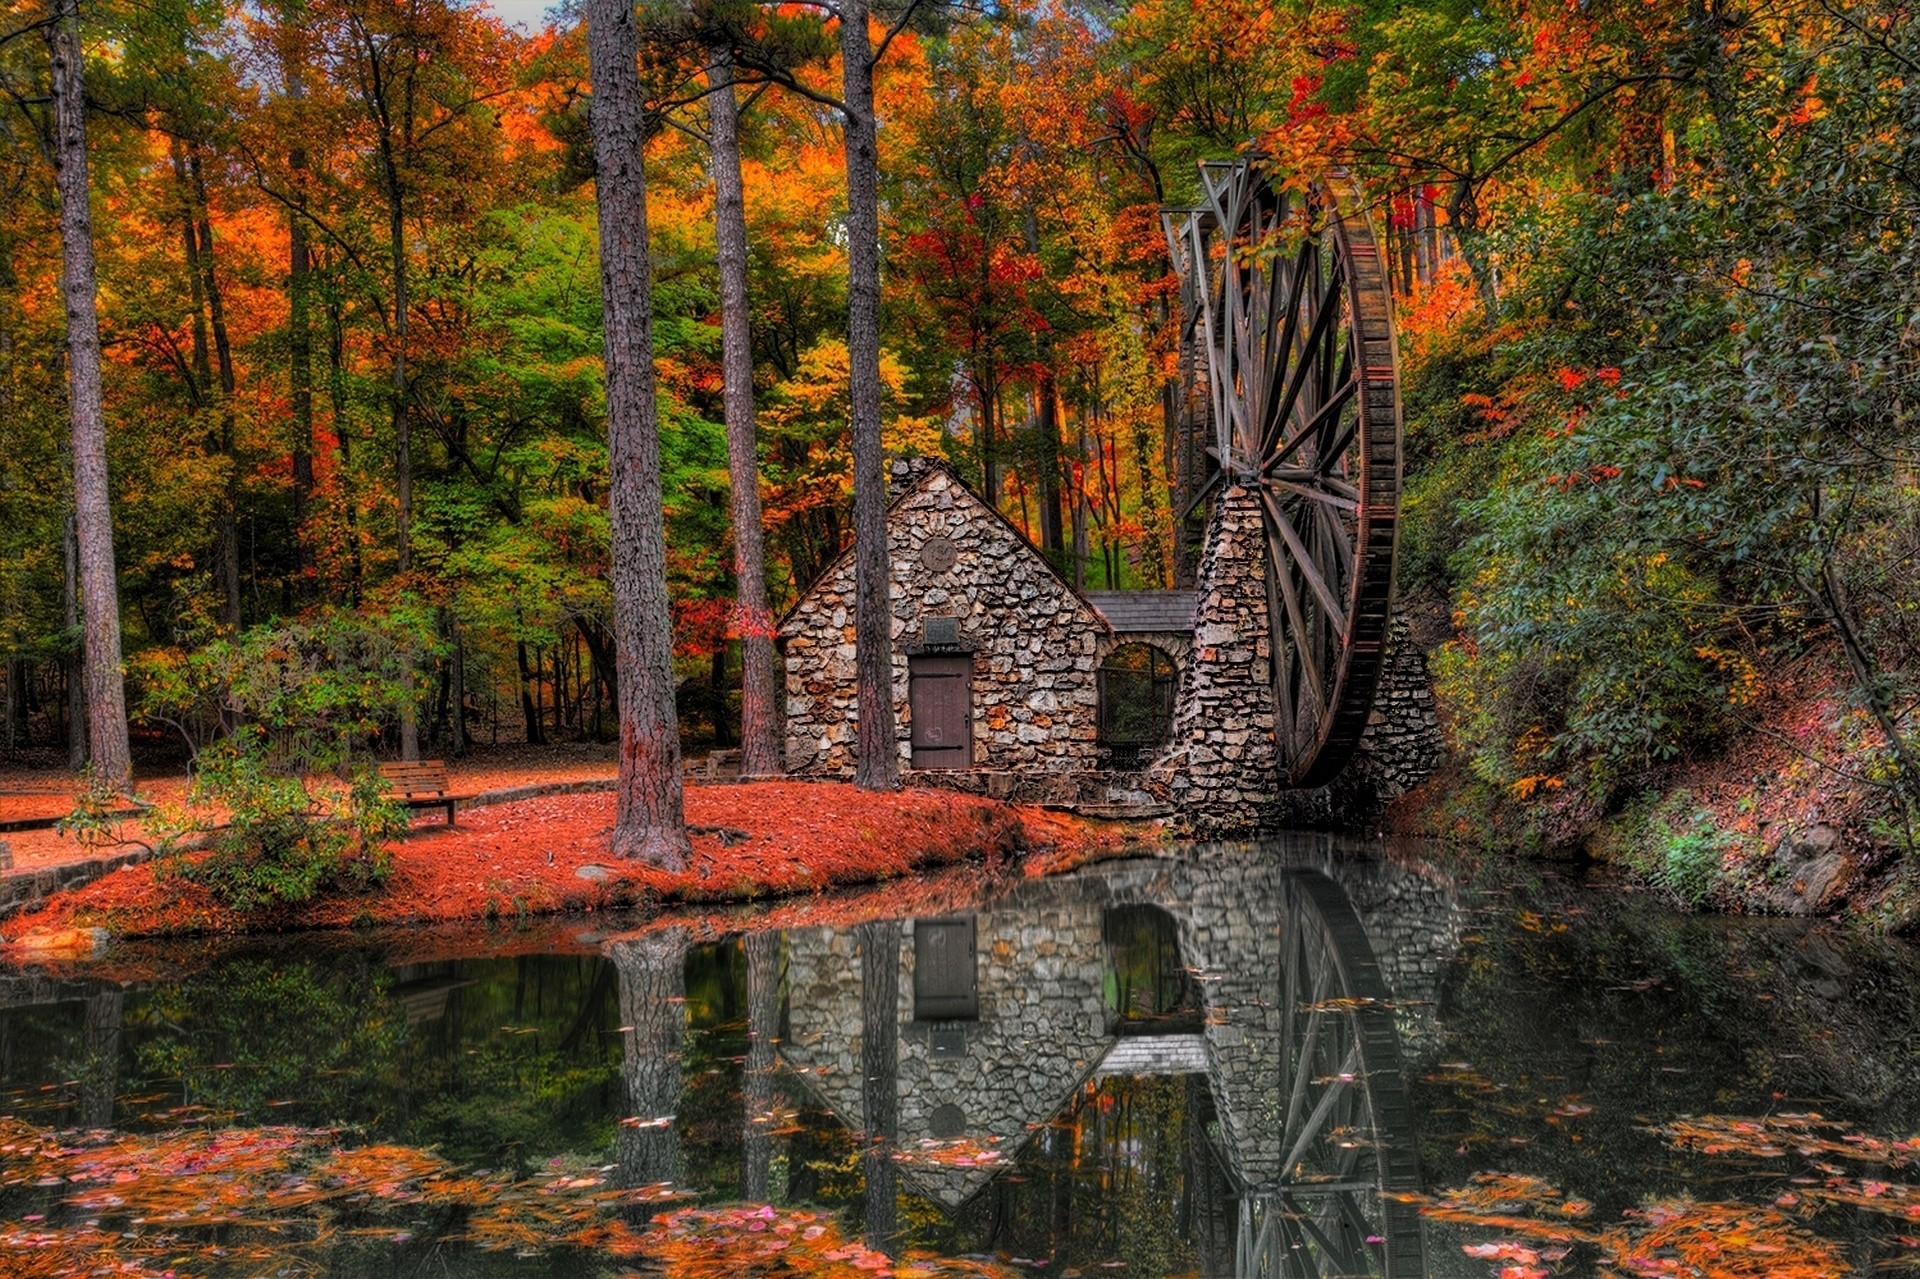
x: 1655, y: 265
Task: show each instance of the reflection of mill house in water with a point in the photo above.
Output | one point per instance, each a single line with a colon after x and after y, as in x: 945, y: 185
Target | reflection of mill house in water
x: 1003, y: 1014
x: 1008, y: 681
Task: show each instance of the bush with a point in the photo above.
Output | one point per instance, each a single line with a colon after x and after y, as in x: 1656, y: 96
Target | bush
x: 1672, y: 844
x: 283, y: 842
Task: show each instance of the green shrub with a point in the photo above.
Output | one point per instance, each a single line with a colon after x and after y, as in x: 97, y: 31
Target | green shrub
x: 283, y: 841
x: 1673, y: 844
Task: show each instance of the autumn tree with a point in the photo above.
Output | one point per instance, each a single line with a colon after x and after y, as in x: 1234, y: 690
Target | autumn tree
x: 106, y: 691
x: 651, y: 825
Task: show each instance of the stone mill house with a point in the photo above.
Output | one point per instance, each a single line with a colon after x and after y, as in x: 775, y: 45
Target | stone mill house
x: 1006, y: 680
x: 1009, y: 682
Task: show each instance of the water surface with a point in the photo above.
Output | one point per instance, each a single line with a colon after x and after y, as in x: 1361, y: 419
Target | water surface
x: 1236, y: 1061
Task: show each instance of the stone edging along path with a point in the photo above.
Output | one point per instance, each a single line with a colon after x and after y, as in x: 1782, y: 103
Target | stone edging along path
x: 27, y: 888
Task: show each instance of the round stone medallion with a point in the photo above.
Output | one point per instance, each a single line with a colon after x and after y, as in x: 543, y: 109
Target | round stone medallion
x: 946, y: 1121
x: 939, y: 554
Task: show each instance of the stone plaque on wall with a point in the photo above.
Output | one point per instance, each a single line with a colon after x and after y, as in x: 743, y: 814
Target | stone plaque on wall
x: 938, y: 554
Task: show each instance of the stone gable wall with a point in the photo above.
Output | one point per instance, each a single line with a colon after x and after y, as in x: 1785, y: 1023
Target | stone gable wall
x: 1033, y: 641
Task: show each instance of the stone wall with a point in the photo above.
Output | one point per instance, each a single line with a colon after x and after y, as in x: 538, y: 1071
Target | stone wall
x: 1220, y: 770
x: 1219, y: 767
x: 1032, y: 639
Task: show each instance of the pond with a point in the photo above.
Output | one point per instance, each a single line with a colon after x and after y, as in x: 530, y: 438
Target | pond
x: 1305, y: 1058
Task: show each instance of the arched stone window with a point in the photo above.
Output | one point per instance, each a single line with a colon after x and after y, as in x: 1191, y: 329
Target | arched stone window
x: 1148, y: 988
x: 1137, y: 686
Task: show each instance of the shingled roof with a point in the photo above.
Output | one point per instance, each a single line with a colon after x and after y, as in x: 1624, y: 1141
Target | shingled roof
x: 1139, y: 612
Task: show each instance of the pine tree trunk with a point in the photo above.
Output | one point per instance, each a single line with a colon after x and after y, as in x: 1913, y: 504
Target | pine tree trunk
x: 653, y: 1015
x: 106, y: 689
x: 74, y: 665
x: 763, y: 1025
x: 879, y: 945
x: 877, y: 758
x: 760, y: 754
x: 651, y: 822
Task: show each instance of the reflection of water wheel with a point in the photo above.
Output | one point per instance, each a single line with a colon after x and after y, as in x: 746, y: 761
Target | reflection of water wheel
x: 1346, y: 1134
x: 1292, y: 324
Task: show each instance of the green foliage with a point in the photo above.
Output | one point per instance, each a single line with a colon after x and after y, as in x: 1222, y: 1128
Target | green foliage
x: 1674, y: 845
x: 91, y: 823
x: 316, y: 693
x: 282, y: 841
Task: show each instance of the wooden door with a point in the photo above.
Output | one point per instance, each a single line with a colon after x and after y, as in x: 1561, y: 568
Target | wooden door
x: 940, y: 700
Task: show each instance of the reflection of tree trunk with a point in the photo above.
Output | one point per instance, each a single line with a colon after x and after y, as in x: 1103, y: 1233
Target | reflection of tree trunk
x: 653, y: 1013
x: 763, y: 1024
x: 1207, y: 1189
x: 879, y: 1076
x: 100, y: 1066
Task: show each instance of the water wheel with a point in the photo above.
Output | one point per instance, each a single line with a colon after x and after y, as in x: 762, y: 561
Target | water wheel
x: 1341, y: 1203
x: 1289, y: 328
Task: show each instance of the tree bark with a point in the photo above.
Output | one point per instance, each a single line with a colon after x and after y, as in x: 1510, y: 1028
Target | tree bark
x: 760, y: 754
x: 75, y: 662
x: 1053, y: 538
x: 877, y: 754
x: 226, y: 520
x: 300, y: 348
x: 879, y: 945
x: 653, y: 1014
x: 763, y: 1025
x: 106, y: 688
x: 651, y: 821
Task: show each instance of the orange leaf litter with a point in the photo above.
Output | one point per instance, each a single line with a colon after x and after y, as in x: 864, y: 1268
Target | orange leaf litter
x: 524, y: 858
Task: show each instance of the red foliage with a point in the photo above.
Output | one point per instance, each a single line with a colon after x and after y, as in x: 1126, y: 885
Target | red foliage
x: 756, y: 840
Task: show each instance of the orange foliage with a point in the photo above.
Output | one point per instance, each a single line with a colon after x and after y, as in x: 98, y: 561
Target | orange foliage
x: 753, y: 840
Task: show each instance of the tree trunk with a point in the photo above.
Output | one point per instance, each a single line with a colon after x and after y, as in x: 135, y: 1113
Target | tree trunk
x: 74, y: 664
x: 760, y: 754
x: 653, y: 1017
x: 226, y: 520
x: 529, y: 711
x: 877, y: 759
x: 1053, y: 538
x: 879, y: 945
x: 763, y: 1025
x: 106, y: 690
x: 651, y: 822
x: 300, y: 350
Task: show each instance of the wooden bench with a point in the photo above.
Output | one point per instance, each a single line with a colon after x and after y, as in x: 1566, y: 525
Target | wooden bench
x: 421, y: 785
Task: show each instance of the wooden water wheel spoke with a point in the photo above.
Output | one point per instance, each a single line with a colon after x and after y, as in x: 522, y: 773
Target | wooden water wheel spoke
x: 1296, y: 342
x: 1333, y: 1201
x: 1312, y: 493
x: 1309, y: 432
x: 1304, y: 565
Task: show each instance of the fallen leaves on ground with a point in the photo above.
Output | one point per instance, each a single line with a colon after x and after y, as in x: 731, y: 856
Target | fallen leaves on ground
x: 524, y: 858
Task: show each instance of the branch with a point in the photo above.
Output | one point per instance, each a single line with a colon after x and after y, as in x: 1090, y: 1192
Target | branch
x: 899, y: 24
x: 1594, y: 99
x: 785, y: 80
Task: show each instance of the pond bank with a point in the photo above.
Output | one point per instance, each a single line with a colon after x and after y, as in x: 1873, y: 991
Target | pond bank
x: 547, y: 854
